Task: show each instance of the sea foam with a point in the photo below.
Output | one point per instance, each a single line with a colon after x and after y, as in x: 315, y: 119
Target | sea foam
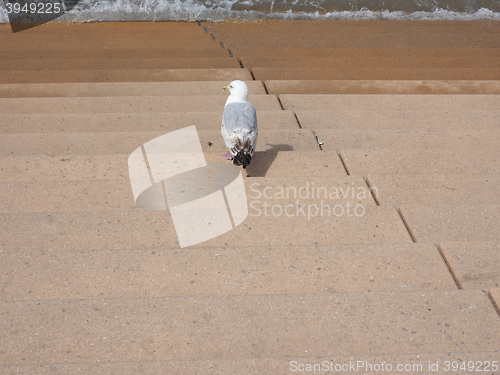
x: 220, y: 10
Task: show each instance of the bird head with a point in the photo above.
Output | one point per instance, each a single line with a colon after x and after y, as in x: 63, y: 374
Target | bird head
x: 238, y: 90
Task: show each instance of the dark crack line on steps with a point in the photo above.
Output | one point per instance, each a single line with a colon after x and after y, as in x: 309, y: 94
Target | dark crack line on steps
x: 281, y: 104
x: 405, y: 222
x: 344, y: 164
x: 265, y: 87
x: 493, y: 302
x: 373, y: 191
x: 448, y: 266
x: 297, y: 119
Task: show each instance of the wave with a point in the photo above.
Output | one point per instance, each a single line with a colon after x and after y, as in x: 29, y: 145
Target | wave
x: 215, y: 11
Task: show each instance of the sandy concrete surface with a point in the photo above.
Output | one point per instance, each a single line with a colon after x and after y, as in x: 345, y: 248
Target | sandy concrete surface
x: 398, y: 120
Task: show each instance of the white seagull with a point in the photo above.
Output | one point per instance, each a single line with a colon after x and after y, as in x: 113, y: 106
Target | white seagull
x: 239, y: 124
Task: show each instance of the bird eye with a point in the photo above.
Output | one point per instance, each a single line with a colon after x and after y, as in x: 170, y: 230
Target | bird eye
x: 230, y: 86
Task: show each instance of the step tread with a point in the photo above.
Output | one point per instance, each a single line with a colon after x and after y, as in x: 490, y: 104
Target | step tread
x: 109, y: 143
x: 44, y: 65
x: 84, y: 89
x: 138, y: 75
x: 414, y: 161
x: 120, y: 122
x: 50, y: 275
x: 59, y: 42
x: 383, y: 87
x: 390, y: 102
x: 400, y: 61
x: 109, y: 29
x: 397, y: 118
x: 444, y: 222
x: 355, y: 51
x: 475, y: 264
x: 116, y: 195
x: 261, y: 73
x: 140, y: 229
x: 114, y: 167
x: 369, y: 364
x: 127, y: 104
x: 453, y: 189
x: 400, y: 139
x: 164, y: 51
x: 467, y: 317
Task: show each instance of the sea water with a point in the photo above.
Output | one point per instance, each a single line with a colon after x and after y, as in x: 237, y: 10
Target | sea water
x: 219, y: 10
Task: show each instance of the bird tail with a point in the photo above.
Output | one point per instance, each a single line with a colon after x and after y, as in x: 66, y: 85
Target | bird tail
x: 242, y: 158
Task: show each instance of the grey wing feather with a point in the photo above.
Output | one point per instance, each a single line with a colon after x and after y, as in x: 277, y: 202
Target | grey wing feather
x: 239, y: 127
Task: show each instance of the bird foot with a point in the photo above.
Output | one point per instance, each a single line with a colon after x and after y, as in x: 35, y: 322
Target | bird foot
x: 227, y: 156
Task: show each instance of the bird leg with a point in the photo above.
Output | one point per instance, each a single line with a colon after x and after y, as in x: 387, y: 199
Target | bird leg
x: 227, y: 156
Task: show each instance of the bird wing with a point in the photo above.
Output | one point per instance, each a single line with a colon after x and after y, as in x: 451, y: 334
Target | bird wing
x: 239, y: 127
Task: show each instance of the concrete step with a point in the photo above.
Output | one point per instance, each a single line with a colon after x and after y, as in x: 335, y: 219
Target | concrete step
x: 16, y: 90
x: 247, y: 326
x: 129, y: 104
x: 398, y: 118
x: 474, y: 265
x: 417, y: 161
x: 354, y: 51
x: 115, y: 167
x: 138, y: 43
x: 116, y: 195
x: 368, y: 34
x: 137, y: 75
x: 87, y: 35
x: 402, y: 139
x: 64, y: 167
x: 167, y: 50
x: 390, y: 102
x: 108, y: 32
x: 137, y: 63
x: 265, y: 74
x: 53, y: 275
x: 439, y: 222
x: 66, y: 196
x: 319, y: 29
x: 445, y: 189
x: 308, y: 224
x: 368, y: 364
x: 96, y: 30
x: 72, y: 39
x: 64, y: 38
x: 120, y: 122
x: 341, y: 62
x: 382, y: 87
x: 109, y: 143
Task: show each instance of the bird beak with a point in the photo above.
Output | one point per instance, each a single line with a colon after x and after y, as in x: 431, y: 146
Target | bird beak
x: 225, y: 88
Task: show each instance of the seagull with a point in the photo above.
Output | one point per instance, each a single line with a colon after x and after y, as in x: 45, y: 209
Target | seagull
x: 239, y: 124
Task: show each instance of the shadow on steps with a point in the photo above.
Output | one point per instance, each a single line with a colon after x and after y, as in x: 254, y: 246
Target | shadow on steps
x: 262, y: 160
